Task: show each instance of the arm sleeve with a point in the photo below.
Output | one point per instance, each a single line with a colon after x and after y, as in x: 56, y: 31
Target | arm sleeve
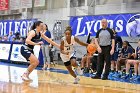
x: 112, y: 34
x: 88, y: 39
x: 97, y: 34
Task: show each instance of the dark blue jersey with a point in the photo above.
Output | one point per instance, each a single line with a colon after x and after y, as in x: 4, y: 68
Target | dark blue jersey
x: 35, y: 39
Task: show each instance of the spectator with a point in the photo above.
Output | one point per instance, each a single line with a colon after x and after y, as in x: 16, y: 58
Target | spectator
x: 86, y: 59
x: 46, y: 48
x: 104, y: 39
x: 51, y: 54
x: 134, y: 62
x: 94, y: 62
x: 13, y: 39
x: 133, y: 50
x: 5, y: 38
x: 22, y: 39
x: 126, y: 53
x: 118, y: 46
x: 0, y: 38
x: 93, y: 59
x: 10, y: 36
x: 17, y: 36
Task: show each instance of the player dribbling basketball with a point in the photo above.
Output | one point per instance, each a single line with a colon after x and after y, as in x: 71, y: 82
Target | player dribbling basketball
x: 68, y: 52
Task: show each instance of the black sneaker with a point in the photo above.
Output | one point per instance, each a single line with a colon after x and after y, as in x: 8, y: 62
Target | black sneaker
x: 104, y: 78
x: 86, y: 70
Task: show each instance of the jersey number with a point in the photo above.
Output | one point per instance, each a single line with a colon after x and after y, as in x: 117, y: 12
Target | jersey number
x: 68, y: 48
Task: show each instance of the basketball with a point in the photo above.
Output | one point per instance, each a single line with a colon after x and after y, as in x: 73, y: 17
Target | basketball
x: 91, y: 48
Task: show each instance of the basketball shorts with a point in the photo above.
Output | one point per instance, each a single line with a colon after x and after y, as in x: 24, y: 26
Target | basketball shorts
x: 114, y: 57
x: 25, y: 52
x: 67, y: 58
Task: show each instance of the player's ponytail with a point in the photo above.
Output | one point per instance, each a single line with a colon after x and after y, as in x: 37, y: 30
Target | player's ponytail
x: 35, y: 24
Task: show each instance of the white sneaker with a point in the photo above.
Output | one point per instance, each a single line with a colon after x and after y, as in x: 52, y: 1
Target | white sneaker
x: 48, y: 68
x: 76, y: 80
x: 44, y: 67
x: 25, y: 77
x: 30, y: 79
x: 78, y: 71
x: 82, y: 71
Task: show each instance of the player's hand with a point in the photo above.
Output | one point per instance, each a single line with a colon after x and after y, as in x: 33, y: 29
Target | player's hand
x: 50, y: 46
x: 40, y: 43
x: 42, y: 33
x: 133, y: 55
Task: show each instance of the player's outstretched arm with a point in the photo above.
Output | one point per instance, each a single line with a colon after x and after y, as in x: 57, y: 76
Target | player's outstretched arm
x: 50, y: 41
x: 80, y: 42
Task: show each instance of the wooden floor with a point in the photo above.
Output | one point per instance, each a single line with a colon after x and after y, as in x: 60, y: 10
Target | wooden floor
x: 54, y: 82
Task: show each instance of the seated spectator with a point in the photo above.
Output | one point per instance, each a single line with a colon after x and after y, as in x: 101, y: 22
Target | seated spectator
x: 22, y: 39
x: 134, y: 62
x: 0, y: 38
x: 138, y: 77
x: 94, y: 62
x: 126, y: 53
x: 86, y: 59
x: 133, y: 50
x: 5, y: 38
x: 13, y: 39
x: 17, y: 37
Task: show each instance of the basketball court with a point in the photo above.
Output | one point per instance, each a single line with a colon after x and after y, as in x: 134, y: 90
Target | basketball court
x: 57, y: 80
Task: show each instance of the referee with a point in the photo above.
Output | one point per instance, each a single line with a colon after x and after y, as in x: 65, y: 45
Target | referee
x: 105, y: 42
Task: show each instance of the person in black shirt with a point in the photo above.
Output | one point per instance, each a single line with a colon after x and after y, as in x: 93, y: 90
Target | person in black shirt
x: 105, y: 43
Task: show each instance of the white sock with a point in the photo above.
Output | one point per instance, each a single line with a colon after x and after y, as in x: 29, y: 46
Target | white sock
x: 76, y: 77
x: 27, y: 72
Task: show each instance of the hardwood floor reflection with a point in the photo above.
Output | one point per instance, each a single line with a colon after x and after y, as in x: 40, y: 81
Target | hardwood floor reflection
x: 51, y: 82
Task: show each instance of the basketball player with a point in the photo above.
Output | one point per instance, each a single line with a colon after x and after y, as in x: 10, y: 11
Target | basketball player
x: 33, y: 39
x: 134, y: 62
x: 68, y: 52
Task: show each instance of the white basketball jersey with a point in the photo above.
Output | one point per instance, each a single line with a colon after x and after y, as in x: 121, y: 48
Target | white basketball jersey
x: 69, y: 47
